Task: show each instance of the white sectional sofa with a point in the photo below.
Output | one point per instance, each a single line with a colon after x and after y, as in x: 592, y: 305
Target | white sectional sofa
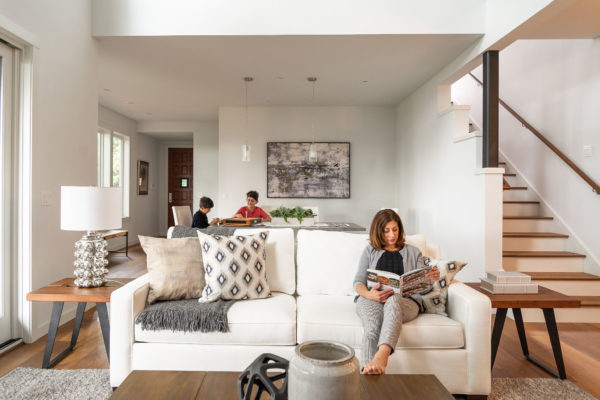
x: 312, y: 299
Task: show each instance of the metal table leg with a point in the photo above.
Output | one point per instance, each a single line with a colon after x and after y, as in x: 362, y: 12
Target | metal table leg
x: 105, y: 326
x: 497, y: 331
x: 53, y: 328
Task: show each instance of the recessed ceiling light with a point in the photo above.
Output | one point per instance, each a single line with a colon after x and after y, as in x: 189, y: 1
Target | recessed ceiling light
x: 365, y: 82
x: 148, y: 113
x: 130, y: 102
x: 106, y: 89
x: 280, y: 77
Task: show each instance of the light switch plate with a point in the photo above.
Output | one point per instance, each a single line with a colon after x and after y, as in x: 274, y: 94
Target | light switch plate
x: 587, y: 151
x: 46, y: 199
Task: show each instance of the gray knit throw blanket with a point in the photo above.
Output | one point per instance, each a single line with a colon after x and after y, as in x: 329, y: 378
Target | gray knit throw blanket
x: 186, y: 315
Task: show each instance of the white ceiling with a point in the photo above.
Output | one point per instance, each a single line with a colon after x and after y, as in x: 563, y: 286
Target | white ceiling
x: 189, y: 78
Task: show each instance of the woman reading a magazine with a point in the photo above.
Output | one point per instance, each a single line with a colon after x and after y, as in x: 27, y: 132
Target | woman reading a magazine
x: 381, y: 311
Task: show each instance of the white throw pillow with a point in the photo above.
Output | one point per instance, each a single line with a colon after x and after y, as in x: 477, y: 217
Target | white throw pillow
x: 235, y: 267
x: 418, y: 241
x: 328, y: 261
x: 281, y: 268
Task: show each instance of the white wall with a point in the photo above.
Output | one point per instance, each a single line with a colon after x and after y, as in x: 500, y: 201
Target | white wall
x: 142, y: 209
x: 64, y: 136
x: 370, y: 131
x: 555, y: 86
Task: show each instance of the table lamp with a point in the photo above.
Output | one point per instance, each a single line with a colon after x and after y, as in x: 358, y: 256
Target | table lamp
x: 90, y: 209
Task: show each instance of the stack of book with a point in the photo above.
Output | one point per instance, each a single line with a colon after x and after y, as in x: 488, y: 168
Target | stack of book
x: 507, y: 282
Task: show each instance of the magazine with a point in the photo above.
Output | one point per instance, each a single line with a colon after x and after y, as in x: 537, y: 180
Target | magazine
x: 413, y: 282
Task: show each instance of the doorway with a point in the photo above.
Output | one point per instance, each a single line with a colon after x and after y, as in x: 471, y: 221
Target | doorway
x: 181, y: 173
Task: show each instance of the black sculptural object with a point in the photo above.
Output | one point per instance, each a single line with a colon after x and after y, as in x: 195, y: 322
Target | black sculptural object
x: 256, y: 374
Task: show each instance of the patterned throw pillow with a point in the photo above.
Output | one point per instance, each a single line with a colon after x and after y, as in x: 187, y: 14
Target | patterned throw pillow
x: 235, y: 267
x: 435, y: 300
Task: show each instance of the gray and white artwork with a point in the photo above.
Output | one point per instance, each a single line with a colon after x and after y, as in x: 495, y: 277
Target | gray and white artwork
x: 290, y: 173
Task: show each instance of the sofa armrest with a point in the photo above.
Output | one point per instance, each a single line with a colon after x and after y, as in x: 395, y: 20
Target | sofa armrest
x: 125, y: 304
x: 473, y: 310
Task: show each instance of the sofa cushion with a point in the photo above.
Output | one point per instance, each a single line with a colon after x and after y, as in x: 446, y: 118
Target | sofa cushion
x: 281, y: 269
x: 270, y: 321
x: 235, y: 266
x: 417, y: 240
x: 328, y: 317
x: 327, y: 261
x: 175, y: 268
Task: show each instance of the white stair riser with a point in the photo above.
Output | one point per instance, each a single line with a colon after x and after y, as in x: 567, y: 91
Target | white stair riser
x: 534, y: 244
x: 520, y: 209
x: 573, y: 288
x: 518, y: 195
x: 527, y: 225
x: 543, y: 264
x: 582, y: 315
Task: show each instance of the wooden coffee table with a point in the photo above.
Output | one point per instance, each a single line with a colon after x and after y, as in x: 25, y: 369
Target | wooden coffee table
x: 223, y: 386
x: 66, y: 291
x: 545, y: 299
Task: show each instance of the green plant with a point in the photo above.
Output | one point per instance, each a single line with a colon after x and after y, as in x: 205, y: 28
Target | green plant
x: 298, y: 212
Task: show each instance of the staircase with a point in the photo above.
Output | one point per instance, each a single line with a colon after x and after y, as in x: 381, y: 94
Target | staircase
x: 531, y: 245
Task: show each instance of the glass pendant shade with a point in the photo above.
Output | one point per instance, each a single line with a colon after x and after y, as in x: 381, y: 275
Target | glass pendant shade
x: 246, y: 149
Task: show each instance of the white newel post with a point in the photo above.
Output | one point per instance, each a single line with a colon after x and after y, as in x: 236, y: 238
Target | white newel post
x: 492, y: 230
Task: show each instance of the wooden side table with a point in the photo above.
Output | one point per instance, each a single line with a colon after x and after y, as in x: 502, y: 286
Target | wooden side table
x: 545, y: 299
x: 118, y: 233
x: 66, y: 291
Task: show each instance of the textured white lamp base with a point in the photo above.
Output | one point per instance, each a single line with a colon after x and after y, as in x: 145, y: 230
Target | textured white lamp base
x: 90, y: 262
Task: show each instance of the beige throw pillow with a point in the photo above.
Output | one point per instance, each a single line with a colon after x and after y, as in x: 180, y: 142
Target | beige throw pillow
x: 175, y: 268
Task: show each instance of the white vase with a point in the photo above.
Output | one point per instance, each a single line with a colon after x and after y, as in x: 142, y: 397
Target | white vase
x: 325, y: 371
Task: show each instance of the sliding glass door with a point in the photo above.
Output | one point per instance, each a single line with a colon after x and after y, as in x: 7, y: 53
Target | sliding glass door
x: 6, y: 170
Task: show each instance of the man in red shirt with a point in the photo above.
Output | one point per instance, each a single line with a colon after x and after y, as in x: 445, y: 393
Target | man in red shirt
x: 251, y: 211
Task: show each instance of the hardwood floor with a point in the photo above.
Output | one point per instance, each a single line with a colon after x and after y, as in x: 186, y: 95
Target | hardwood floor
x: 580, y: 342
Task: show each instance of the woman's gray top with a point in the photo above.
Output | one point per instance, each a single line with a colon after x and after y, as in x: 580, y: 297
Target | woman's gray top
x: 411, y: 257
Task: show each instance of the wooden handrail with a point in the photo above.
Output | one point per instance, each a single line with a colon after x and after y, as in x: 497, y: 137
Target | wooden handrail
x: 583, y: 175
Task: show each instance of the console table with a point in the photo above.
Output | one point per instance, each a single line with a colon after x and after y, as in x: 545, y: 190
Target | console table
x: 200, y: 385
x: 66, y: 291
x: 323, y: 226
x: 545, y: 299
x: 117, y: 233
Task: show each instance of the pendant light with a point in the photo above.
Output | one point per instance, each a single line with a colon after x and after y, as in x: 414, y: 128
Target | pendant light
x: 312, y: 151
x: 246, y: 147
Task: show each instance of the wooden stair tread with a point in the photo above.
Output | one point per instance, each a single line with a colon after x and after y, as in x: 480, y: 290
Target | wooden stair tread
x: 589, y: 301
x: 510, y: 174
x: 560, y: 254
x: 533, y: 235
x: 515, y: 187
x: 520, y: 202
x: 526, y: 217
x: 562, y: 276
x: 501, y: 162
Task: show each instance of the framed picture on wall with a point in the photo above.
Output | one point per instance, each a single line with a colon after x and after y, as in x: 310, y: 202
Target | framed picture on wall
x: 290, y: 173
x: 142, y: 181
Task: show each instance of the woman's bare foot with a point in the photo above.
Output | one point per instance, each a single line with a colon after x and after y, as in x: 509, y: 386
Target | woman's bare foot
x: 377, y: 365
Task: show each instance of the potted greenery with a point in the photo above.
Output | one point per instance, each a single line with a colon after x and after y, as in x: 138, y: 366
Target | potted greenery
x: 292, y: 216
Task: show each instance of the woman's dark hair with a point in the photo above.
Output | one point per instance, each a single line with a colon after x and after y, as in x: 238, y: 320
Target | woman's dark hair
x: 253, y: 194
x: 379, y: 222
x: 206, y: 202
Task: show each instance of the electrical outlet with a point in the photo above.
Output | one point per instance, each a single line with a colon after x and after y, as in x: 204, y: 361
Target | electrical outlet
x: 587, y: 150
x: 46, y: 199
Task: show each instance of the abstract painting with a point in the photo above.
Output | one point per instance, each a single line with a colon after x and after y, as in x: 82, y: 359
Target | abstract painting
x: 290, y: 174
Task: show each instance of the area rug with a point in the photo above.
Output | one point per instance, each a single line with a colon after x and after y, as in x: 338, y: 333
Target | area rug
x: 536, y: 389
x: 55, y: 384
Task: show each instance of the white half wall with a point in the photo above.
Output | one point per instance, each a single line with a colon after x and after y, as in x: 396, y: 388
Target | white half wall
x: 143, y: 209
x: 271, y: 17
x: 370, y: 131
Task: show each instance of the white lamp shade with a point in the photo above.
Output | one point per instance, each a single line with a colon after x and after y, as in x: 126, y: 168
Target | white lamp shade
x: 90, y: 208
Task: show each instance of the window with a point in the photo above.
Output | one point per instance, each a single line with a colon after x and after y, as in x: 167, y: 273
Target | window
x: 113, y: 163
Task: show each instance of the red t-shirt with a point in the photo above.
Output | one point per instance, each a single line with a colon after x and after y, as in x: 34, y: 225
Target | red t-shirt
x: 256, y: 213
